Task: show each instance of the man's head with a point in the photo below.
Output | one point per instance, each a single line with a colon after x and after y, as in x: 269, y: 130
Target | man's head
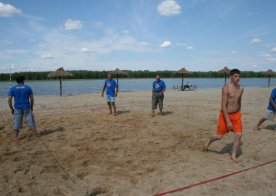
x: 109, y: 76
x: 20, y: 79
x: 235, y: 75
x: 157, y: 77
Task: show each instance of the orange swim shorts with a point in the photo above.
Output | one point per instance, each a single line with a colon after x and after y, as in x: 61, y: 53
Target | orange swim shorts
x: 235, y: 118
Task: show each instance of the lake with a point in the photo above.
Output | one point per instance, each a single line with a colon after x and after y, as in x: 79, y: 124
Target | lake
x: 51, y: 87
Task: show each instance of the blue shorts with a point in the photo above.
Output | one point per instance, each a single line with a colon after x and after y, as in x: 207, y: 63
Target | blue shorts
x: 110, y: 99
x: 18, y: 118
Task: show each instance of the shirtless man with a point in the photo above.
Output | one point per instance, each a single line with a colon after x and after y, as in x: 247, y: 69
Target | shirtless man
x: 230, y: 115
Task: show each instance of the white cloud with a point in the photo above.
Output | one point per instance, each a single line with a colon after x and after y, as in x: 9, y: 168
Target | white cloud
x: 190, y: 47
x: 46, y: 56
x: 166, y: 44
x: 73, y: 24
x: 273, y: 49
x: 169, y: 8
x: 86, y: 50
x: 233, y: 52
x: 99, y: 24
x: 6, y: 42
x: 126, y: 31
x: 143, y: 44
x: 7, y: 10
x: 255, y: 41
x: 187, y: 46
x: 182, y: 44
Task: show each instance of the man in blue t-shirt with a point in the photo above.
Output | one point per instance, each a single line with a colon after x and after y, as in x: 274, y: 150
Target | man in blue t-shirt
x: 271, y: 110
x: 111, y: 89
x: 158, y: 89
x: 23, y: 106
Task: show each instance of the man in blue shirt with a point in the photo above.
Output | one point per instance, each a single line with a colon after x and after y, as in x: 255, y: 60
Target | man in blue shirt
x: 23, y: 106
x: 271, y: 110
x: 111, y: 89
x: 158, y: 89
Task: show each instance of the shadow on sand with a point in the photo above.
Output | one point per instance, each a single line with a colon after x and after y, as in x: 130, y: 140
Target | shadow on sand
x: 120, y: 112
x: 227, y: 149
x: 167, y: 113
x: 51, y: 130
x: 271, y: 127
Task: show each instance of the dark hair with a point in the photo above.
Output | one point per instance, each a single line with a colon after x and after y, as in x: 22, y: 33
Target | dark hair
x: 19, y: 79
x: 234, y: 71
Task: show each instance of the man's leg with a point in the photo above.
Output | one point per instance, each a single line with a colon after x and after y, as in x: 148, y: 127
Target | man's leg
x: 261, y: 121
x: 109, y: 107
x: 211, y: 140
x: 17, y: 123
x: 154, y: 104
x: 153, y: 112
x: 15, y: 134
x: 160, y: 102
x: 236, y: 145
x: 114, y: 108
x: 31, y: 122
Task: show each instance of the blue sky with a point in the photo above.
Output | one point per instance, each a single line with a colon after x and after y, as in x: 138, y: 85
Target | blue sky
x: 137, y: 34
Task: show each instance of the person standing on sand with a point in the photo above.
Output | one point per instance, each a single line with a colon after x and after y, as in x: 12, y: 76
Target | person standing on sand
x: 158, y: 89
x: 111, y: 88
x: 230, y: 115
x: 271, y: 110
x: 23, y: 106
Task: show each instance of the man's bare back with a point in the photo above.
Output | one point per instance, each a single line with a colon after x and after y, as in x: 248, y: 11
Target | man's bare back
x: 234, y: 94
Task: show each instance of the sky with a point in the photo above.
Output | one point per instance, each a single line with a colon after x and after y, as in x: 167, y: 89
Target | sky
x: 200, y: 35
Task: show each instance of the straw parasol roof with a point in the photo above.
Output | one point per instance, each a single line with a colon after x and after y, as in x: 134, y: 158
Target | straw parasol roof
x: 224, y: 71
x: 117, y: 72
x: 269, y: 73
x: 59, y: 73
x: 183, y: 72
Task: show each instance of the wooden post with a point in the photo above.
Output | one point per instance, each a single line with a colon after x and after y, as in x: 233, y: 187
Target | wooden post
x: 268, y: 81
x: 117, y: 81
x: 60, y: 86
x: 224, y: 77
x: 182, y: 87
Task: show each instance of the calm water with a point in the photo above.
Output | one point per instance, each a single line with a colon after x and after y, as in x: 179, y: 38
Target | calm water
x: 93, y: 86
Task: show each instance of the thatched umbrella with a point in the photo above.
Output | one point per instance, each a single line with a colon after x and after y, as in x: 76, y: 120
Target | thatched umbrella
x: 183, y: 72
x: 59, y: 73
x: 226, y: 71
x: 269, y: 73
x: 117, y: 72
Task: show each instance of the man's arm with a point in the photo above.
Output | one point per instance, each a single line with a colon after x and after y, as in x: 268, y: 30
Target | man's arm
x: 10, y: 104
x: 103, y: 90
x: 272, y: 102
x: 117, y: 90
x: 242, y: 89
x: 164, y: 89
x: 32, y: 102
x: 224, y: 106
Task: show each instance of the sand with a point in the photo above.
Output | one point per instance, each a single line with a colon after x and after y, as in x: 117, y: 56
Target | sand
x: 83, y: 150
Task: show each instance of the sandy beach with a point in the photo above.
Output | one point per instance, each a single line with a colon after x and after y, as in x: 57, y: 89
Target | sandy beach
x: 83, y: 150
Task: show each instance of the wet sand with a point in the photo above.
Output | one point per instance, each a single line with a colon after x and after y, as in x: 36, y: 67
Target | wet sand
x: 83, y: 150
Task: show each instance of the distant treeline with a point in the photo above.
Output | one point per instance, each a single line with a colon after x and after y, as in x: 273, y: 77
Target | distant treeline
x: 83, y: 74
